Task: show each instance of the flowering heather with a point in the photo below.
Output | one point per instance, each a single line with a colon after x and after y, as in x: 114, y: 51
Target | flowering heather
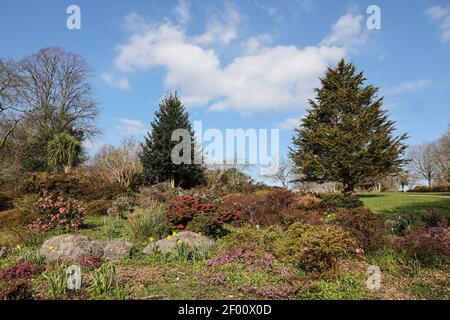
x: 269, y: 291
x: 429, y: 245
x: 57, y: 212
x: 245, y: 257
x: 20, y: 270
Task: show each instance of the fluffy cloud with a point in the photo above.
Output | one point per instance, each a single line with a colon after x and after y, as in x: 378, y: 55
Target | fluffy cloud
x: 182, y: 12
x: 265, y: 78
x: 410, y: 86
x: 441, y: 14
x: 120, y: 83
x: 131, y: 127
x: 290, y: 123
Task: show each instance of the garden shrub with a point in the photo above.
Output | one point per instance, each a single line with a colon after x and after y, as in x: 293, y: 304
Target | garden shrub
x: 311, y: 202
x: 16, y: 218
x: 260, y: 209
x: 432, y: 218
x: 251, y: 238
x: 369, y: 229
x: 121, y: 206
x: 5, y: 202
x: 16, y: 291
x: 313, y: 217
x: 78, y: 185
x: 341, y: 201
x: 316, y: 248
x: 57, y: 212
x: 98, y: 207
x: 146, y: 223
x: 441, y: 188
x: 190, y: 214
x: 20, y: 270
x: 430, y: 245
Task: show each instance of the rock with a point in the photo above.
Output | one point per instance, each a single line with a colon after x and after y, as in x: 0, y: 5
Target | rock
x: 113, y: 250
x: 73, y: 247
x: 190, y: 238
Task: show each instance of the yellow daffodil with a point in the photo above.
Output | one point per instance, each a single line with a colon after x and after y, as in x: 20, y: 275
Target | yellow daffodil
x: 174, y: 233
x: 151, y: 239
x: 180, y: 241
x: 169, y: 238
x: 18, y: 247
x: 51, y: 248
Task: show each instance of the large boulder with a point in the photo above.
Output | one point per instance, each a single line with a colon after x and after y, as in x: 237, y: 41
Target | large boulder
x: 192, y: 239
x: 73, y: 247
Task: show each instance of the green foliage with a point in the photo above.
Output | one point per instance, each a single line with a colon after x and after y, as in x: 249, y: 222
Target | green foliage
x: 63, y: 151
x: 346, y: 135
x: 315, y: 248
x: 251, y: 238
x: 104, y: 281
x: 58, y: 281
x: 341, y: 201
x: 30, y: 255
x: 347, y: 288
x: 156, y: 156
x: 150, y: 222
x: 369, y: 229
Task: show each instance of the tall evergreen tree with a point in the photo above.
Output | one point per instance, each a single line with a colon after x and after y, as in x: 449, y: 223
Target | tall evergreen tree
x: 346, y: 135
x: 156, y: 156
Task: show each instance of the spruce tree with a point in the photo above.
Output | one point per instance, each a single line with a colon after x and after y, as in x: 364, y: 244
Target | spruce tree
x: 156, y: 154
x: 346, y: 135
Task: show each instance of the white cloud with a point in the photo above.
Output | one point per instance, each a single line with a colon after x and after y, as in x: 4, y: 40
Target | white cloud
x: 290, y: 123
x: 441, y: 14
x: 406, y: 87
x: 222, y: 28
x: 131, y: 127
x: 348, y: 33
x: 120, y: 83
x: 256, y: 44
x: 182, y: 12
x: 266, y: 78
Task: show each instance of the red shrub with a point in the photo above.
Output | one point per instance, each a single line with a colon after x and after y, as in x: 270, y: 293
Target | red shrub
x: 263, y: 210
x: 20, y: 270
x: 57, y: 212
x: 189, y: 213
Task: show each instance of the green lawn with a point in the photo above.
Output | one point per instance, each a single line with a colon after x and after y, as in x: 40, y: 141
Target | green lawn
x: 394, y: 203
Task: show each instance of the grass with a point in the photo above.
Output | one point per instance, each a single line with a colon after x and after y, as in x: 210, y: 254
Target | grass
x: 392, y: 204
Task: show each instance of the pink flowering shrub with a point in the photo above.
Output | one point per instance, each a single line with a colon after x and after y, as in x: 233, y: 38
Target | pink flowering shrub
x: 254, y: 259
x: 20, y: 270
x: 428, y: 245
x: 57, y: 212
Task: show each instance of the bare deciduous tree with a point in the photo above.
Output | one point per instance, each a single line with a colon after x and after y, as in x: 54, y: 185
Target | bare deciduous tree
x: 120, y: 164
x: 284, y: 174
x: 12, y: 110
x: 57, y: 91
x: 423, y: 162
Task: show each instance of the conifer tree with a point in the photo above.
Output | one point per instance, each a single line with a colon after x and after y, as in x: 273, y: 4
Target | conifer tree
x: 346, y: 135
x: 156, y: 150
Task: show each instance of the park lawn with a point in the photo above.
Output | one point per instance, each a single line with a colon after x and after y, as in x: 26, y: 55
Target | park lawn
x: 392, y: 204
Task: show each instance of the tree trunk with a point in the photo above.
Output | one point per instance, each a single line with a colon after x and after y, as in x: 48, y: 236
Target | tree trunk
x: 348, y: 189
x: 172, y: 182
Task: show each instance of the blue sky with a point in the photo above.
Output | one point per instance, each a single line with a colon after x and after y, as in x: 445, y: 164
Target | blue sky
x: 243, y: 64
